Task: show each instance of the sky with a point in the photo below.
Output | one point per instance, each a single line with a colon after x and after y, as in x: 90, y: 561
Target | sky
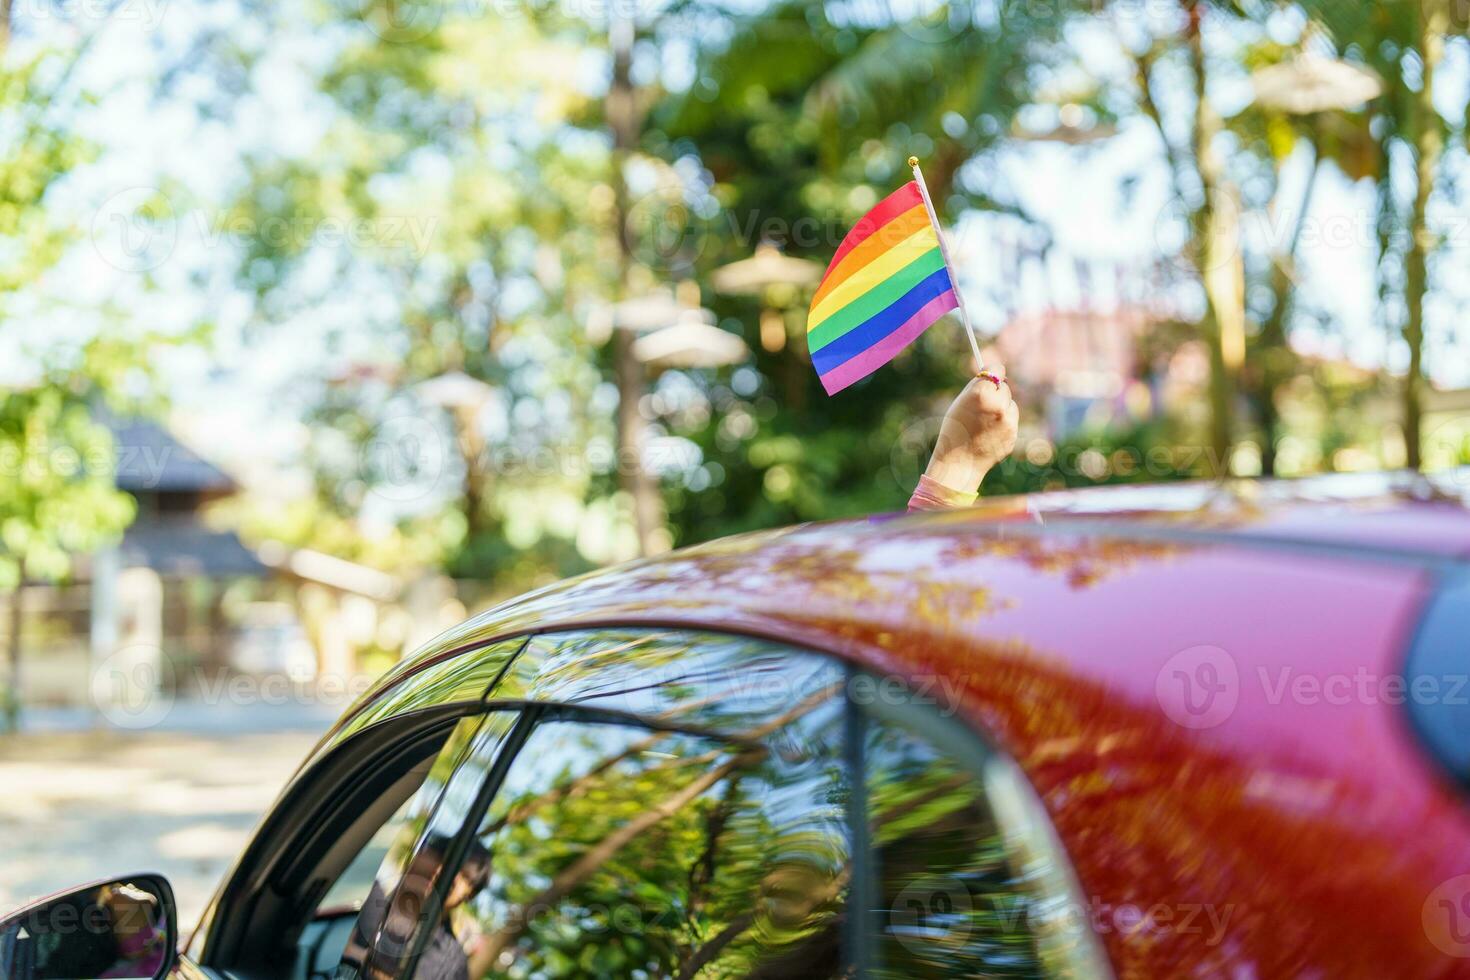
x: 243, y: 392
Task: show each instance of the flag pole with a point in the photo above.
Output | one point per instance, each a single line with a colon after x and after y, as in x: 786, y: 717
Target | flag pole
x: 944, y: 252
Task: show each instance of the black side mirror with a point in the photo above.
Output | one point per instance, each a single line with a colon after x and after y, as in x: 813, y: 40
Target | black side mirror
x: 125, y: 927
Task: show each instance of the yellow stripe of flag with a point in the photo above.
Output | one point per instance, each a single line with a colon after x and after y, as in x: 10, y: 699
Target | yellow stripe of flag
x: 874, y: 272
x: 880, y: 241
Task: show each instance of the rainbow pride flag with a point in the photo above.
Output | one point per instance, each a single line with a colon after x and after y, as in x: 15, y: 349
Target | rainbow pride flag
x: 887, y: 284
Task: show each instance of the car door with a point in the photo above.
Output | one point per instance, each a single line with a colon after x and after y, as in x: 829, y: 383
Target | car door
x: 681, y: 804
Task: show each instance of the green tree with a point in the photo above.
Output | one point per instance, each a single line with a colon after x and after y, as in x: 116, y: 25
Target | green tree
x: 1404, y: 43
x: 801, y: 115
x: 56, y: 492
x: 480, y: 217
x: 57, y: 496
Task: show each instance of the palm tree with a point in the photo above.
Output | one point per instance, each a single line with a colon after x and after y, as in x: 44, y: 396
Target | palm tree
x: 1404, y: 43
x: 950, y: 83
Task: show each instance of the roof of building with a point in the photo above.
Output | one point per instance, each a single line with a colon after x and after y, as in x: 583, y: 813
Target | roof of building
x: 177, y: 548
x: 151, y: 460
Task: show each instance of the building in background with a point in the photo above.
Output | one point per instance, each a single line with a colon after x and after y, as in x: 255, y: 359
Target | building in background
x: 180, y: 602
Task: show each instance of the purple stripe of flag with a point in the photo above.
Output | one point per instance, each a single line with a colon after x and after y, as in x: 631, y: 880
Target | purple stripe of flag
x: 861, y: 365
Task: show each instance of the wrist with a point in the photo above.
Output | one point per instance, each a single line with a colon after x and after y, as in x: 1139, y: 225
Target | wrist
x: 957, y: 470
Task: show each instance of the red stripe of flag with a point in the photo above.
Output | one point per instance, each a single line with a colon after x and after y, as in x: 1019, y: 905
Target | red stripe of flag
x: 895, y: 204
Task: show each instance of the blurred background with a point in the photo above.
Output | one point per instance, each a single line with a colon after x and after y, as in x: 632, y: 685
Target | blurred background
x: 325, y: 324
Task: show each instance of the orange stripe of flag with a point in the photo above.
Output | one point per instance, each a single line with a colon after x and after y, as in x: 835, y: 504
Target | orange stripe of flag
x: 875, y: 244
x: 883, y: 212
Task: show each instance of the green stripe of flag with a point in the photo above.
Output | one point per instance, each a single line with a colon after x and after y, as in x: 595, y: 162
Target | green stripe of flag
x: 875, y: 300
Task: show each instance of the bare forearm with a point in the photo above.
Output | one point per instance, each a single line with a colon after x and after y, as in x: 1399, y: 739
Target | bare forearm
x: 978, y: 431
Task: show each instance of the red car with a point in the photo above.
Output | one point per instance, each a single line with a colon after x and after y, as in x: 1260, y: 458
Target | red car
x: 1190, y: 731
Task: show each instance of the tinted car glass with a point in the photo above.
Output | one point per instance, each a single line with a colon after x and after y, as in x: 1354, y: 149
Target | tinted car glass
x: 400, y: 914
x: 676, y: 677
x: 619, y: 851
x: 322, y: 940
x: 969, y: 880
x: 351, y: 889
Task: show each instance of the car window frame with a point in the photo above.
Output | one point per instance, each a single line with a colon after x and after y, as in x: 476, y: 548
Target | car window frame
x: 980, y: 754
x: 475, y: 752
x: 261, y: 905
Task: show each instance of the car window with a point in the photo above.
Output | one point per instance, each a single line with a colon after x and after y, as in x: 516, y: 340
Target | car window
x: 697, y: 680
x: 387, y: 819
x: 968, y: 879
x: 352, y: 888
x: 618, y: 851
x: 408, y: 886
x: 714, y: 806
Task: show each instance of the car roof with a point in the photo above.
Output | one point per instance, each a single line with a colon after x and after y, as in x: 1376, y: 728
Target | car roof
x: 1096, y: 588
x: 1410, y: 514
x: 808, y: 583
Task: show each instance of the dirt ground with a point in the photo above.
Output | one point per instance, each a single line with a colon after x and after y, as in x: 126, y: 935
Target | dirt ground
x: 80, y: 805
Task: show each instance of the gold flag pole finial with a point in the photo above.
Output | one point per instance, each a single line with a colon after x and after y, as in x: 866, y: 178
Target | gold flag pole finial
x: 913, y: 161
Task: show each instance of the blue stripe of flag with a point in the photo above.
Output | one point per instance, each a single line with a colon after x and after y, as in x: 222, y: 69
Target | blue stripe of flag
x: 882, y: 323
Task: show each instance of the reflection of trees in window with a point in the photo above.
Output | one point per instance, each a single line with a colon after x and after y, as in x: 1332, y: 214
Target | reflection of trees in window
x: 669, y: 853
x: 954, y: 906
x: 726, y: 684
x: 716, y: 841
x: 618, y: 851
